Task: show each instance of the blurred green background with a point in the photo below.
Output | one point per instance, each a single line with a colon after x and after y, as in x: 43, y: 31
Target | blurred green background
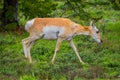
x: 103, y: 60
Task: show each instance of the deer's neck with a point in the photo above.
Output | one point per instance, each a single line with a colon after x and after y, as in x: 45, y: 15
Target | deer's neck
x: 83, y: 30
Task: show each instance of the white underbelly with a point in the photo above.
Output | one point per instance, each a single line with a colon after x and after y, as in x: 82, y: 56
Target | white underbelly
x: 52, y: 32
x: 50, y: 35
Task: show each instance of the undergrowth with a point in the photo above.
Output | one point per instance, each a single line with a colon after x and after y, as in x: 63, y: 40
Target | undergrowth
x: 103, y: 61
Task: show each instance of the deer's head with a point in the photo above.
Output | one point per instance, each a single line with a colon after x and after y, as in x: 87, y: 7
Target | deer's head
x: 95, y: 33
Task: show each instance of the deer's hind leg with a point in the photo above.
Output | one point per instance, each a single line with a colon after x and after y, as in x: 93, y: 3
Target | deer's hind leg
x: 24, y: 42
x: 27, y: 44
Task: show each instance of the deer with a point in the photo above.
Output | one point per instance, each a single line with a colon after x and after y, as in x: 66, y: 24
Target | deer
x: 61, y: 29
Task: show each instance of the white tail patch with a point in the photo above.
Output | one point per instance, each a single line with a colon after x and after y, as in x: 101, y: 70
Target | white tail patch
x: 29, y: 24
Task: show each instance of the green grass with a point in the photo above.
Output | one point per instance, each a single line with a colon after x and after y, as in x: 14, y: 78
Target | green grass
x: 103, y: 60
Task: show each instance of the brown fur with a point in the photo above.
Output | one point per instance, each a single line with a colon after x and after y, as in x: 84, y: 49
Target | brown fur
x: 70, y: 27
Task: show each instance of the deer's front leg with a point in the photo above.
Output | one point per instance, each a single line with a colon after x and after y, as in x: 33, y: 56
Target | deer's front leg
x: 59, y: 40
x: 75, y: 49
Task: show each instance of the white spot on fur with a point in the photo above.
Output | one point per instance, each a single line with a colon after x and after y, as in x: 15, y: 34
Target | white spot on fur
x: 86, y: 33
x: 29, y: 24
x: 52, y: 32
x: 83, y: 33
x: 80, y: 33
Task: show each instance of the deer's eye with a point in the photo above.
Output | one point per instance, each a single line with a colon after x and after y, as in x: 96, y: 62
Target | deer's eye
x: 97, y: 31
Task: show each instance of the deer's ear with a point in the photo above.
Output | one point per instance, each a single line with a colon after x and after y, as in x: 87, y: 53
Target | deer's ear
x: 91, y: 24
